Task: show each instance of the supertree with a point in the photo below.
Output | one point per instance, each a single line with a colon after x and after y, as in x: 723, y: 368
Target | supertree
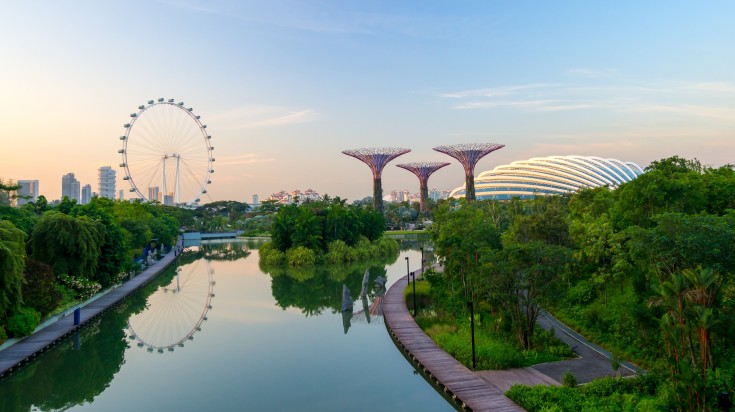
x: 469, y: 154
x: 423, y: 170
x: 376, y: 158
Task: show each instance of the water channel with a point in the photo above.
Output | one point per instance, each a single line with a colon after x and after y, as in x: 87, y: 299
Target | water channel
x: 217, y: 333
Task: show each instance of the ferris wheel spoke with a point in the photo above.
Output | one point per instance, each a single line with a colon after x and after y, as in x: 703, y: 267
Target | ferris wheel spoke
x: 166, y: 146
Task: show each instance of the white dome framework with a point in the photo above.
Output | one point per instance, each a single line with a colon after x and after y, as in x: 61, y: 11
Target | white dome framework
x: 167, y: 153
x: 550, y: 176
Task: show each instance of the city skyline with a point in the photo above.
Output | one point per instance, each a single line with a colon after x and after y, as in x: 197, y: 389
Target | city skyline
x: 285, y: 86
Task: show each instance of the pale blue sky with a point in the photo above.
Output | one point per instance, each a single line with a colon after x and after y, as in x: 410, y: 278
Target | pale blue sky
x: 284, y: 86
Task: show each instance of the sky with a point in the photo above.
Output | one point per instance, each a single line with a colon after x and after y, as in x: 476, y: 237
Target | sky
x: 285, y: 86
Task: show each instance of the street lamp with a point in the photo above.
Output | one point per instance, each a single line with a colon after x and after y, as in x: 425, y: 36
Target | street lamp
x: 422, y: 259
x: 408, y: 272
x: 414, y: 293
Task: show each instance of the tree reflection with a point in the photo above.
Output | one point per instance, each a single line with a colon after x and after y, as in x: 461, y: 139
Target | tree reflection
x: 80, y: 367
x: 314, y: 289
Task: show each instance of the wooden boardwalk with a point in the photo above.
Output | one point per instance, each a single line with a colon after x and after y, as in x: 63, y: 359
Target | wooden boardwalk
x: 27, y: 349
x: 466, y: 388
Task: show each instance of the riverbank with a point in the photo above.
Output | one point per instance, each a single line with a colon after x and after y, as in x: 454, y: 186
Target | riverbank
x: 16, y: 353
x: 484, y: 390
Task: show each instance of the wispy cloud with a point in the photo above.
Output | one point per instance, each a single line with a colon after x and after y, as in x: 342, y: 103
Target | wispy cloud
x: 243, y: 159
x: 703, y: 100
x: 255, y: 117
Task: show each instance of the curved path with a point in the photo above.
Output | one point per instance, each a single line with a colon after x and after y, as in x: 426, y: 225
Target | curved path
x: 462, y: 385
x: 484, y: 390
x: 15, y: 355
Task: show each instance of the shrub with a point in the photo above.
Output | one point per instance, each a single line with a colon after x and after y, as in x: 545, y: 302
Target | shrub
x: 301, y: 256
x: 340, y: 252
x: 3, y: 335
x: 23, y: 322
x: 270, y: 255
x: 423, y: 297
x: 568, y: 379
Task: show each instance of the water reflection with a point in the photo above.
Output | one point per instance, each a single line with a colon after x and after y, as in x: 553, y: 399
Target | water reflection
x: 81, y: 368
x: 314, y: 289
x: 176, y: 311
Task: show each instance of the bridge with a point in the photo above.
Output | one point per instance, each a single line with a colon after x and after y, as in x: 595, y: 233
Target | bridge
x: 193, y: 238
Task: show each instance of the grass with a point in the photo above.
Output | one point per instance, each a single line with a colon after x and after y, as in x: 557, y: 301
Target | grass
x: 493, y: 350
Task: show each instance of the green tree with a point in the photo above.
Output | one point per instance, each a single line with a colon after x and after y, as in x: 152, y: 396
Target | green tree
x: 69, y: 245
x: 12, y: 265
x: 40, y: 289
x: 521, y: 278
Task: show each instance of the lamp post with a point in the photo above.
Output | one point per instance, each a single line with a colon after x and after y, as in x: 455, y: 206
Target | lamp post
x: 422, y: 260
x: 414, y: 293
x: 408, y: 272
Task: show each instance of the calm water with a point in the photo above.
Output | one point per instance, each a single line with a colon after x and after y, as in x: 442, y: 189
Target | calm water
x: 270, y: 342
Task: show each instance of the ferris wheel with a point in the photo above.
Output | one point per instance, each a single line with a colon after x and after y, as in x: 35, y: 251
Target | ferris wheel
x: 167, y: 153
x: 175, y: 312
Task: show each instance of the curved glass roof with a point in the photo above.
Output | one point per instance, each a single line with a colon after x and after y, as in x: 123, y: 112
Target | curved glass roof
x: 550, y: 175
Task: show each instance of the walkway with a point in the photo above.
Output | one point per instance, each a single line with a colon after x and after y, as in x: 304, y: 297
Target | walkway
x: 484, y: 390
x: 593, y: 362
x: 25, y: 350
x: 462, y: 385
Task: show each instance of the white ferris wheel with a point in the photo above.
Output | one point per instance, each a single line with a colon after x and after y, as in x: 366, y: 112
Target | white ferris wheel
x: 167, y: 153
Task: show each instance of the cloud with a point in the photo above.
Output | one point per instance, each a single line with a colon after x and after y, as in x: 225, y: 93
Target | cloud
x: 665, y: 97
x: 242, y: 159
x: 254, y: 117
x: 716, y: 87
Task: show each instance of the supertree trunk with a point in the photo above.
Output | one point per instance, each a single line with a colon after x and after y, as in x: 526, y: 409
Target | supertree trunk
x: 423, y: 170
x: 468, y: 155
x: 376, y: 158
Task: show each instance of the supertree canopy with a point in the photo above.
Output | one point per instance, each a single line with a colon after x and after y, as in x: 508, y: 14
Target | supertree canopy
x: 376, y: 158
x: 423, y: 170
x: 469, y: 154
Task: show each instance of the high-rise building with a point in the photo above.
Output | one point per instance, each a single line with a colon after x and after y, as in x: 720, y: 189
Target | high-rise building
x: 168, y: 199
x: 121, y: 194
x: 107, y: 182
x: 70, y: 187
x: 256, y: 201
x: 154, y: 194
x: 86, y: 194
x: 27, y: 188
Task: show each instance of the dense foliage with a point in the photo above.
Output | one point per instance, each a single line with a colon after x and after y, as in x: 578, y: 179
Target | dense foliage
x: 326, y: 231
x: 51, y: 256
x: 647, y: 270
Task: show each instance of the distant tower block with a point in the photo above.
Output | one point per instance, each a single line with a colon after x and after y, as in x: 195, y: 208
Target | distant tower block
x: 423, y: 170
x: 469, y: 154
x: 376, y: 158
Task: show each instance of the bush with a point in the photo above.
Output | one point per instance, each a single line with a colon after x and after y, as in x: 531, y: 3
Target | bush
x: 300, y: 256
x: 568, y: 379
x: 270, y: 255
x: 340, y: 252
x: 23, y: 322
x: 423, y: 295
x: 3, y: 335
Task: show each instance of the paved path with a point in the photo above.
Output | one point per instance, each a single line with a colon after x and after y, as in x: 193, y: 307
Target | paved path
x: 593, y: 361
x: 469, y: 390
x: 484, y: 390
x: 26, y: 349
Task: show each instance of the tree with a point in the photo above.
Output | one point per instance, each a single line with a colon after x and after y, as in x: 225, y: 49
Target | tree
x: 12, y: 264
x: 114, y: 251
x: 69, y: 245
x: 39, y: 290
x: 520, y: 279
